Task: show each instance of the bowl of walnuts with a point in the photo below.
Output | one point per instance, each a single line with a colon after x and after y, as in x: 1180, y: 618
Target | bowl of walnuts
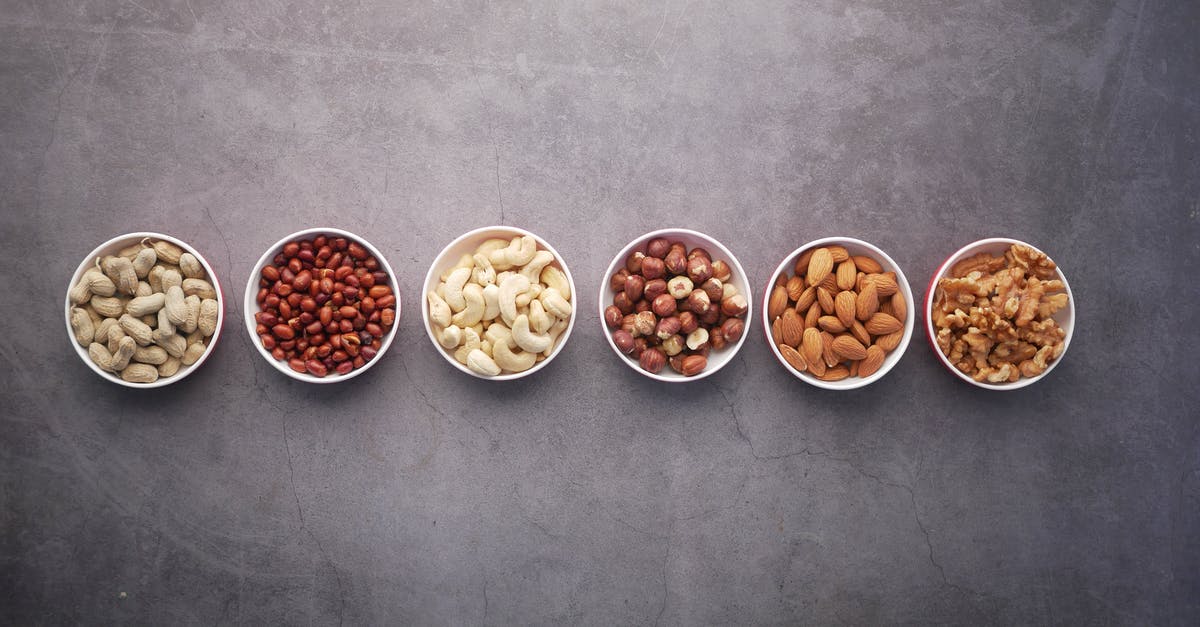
x: 675, y: 305
x: 999, y: 314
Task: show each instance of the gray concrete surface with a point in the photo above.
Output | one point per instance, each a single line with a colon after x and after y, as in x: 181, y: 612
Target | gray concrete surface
x: 588, y: 494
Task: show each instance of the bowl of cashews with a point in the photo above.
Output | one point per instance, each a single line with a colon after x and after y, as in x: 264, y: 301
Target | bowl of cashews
x: 499, y: 303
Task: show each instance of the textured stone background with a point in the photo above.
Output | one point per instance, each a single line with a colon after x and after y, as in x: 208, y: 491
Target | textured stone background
x: 587, y: 493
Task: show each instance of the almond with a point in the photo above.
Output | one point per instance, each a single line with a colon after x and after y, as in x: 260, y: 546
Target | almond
x: 899, y: 306
x: 795, y: 286
x: 871, y: 363
x: 777, y: 303
x: 844, y: 306
x: 791, y: 327
x: 847, y: 272
x: 882, y: 324
x: 890, y: 341
x: 777, y: 331
x: 860, y: 333
x: 811, y: 347
x: 836, y: 373
x: 807, y: 298
x: 802, y: 262
x: 814, y: 314
x: 839, y: 253
x: 867, y: 303
x: 819, y: 266
x: 849, y: 348
x: 831, y: 324
x: 866, y: 264
x: 794, y: 358
x: 829, y: 283
x: 827, y: 353
x: 825, y: 298
x: 885, y: 283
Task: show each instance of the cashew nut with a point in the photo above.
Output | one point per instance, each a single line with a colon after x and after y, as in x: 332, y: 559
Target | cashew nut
x: 472, y: 313
x: 523, y: 299
x: 557, y: 279
x: 499, y: 259
x: 439, y: 311
x: 463, y: 262
x: 526, y: 338
x: 538, y: 319
x: 555, y: 330
x: 478, y: 361
x: 533, y: 269
x: 491, y: 302
x: 510, y: 361
x: 499, y: 334
x: 486, y: 248
x: 453, y: 292
x: 521, y: 251
x: 471, y: 342
x: 451, y: 337
x: 483, y: 274
x: 554, y: 303
x: 513, y: 286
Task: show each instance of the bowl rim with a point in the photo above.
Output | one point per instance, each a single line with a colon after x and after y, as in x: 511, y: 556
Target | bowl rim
x: 431, y: 277
x: 931, y: 334
x: 909, y: 320
x: 735, y: 266
x: 250, y: 303
x: 132, y: 237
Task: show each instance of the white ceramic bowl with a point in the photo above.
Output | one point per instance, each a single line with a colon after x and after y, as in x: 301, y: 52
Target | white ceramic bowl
x: 691, y: 239
x: 1065, y: 317
x: 110, y: 248
x: 250, y: 304
x: 466, y: 244
x: 854, y: 247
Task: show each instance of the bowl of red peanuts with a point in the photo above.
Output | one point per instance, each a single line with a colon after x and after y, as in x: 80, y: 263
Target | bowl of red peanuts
x: 322, y: 305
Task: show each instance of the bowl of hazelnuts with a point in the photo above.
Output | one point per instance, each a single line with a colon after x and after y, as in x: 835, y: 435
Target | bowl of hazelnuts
x: 676, y: 305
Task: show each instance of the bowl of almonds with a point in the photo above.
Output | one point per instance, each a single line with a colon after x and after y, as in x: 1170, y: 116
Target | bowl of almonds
x: 838, y: 313
x: 144, y: 310
x: 999, y: 314
x: 675, y: 305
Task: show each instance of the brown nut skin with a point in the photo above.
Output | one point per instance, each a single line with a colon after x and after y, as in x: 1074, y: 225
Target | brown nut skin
x: 653, y: 268
x: 694, y: 365
x: 732, y: 329
x: 699, y: 268
x: 676, y: 261
x: 668, y: 327
x: 612, y: 317
x: 688, y: 322
x: 714, y: 288
x: 664, y: 305
x: 633, y: 263
x: 721, y: 271
x: 627, y: 323
x: 639, y: 346
x: 698, y: 302
x: 624, y: 341
x: 622, y: 302
x: 658, y: 248
x: 616, y: 282
x: 699, y: 252
x: 641, y: 305
x: 654, y: 288
x: 676, y: 363
x: 635, y: 284
x: 735, y: 305
x: 717, y: 339
x: 653, y: 360
x: 711, y: 316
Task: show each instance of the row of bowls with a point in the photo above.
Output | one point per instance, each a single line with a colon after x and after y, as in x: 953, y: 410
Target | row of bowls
x: 468, y: 242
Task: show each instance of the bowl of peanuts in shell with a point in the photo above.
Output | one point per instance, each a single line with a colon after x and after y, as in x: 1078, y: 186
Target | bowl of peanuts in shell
x: 999, y: 314
x: 499, y: 303
x: 838, y: 313
x: 322, y: 305
x: 144, y: 310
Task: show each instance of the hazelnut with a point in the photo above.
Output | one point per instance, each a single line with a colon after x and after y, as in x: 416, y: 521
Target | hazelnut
x: 653, y: 267
x: 612, y: 317
x: 673, y: 345
x: 688, y: 322
x: 654, y: 288
x: 713, y: 288
x: 653, y: 360
x: 732, y: 329
x: 697, y: 338
x: 734, y: 305
x: 703, y: 350
x: 658, y: 248
x: 699, y: 252
x: 717, y: 339
x: 644, y: 323
x: 617, y: 281
x: 667, y: 327
x: 641, y: 305
x: 664, y: 305
x: 676, y: 261
x: 728, y: 290
x: 624, y: 341
x: 639, y: 346
x: 679, y: 287
x: 634, y: 285
x: 711, y: 316
x: 622, y: 302
x: 676, y: 363
x: 698, y: 302
x: 693, y: 365
x: 633, y: 263
x: 627, y: 322
x: 721, y: 270
x: 699, y: 268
